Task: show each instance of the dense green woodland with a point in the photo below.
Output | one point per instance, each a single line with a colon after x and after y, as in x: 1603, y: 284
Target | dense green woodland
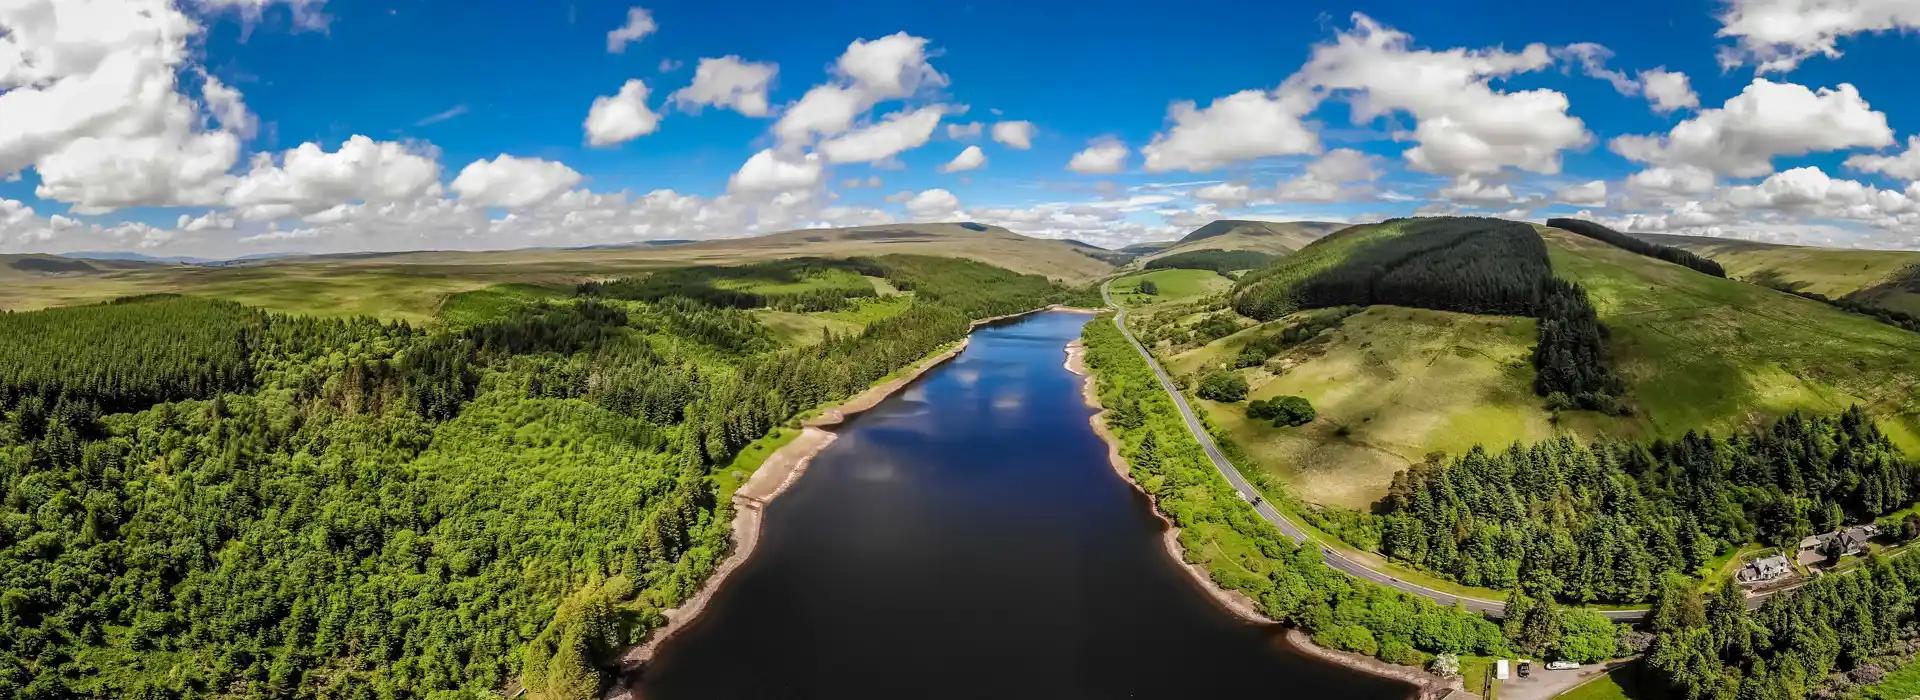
x: 1291, y: 583
x: 1221, y: 261
x: 1677, y: 256
x: 1463, y: 264
x: 199, y: 499
x: 1609, y: 521
x: 1822, y: 639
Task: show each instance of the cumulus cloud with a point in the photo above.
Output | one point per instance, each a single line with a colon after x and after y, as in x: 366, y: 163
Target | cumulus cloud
x: 1101, y: 157
x: 307, y: 14
x: 622, y: 117
x: 1764, y: 121
x: 1668, y: 90
x: 639, y: 25
x: 1245, y: 125
x: 728, y: 82
x: 772, y: 171
x: 868, y: 73
x: 934, y: 205
x: 1017, y: 134
x: 1332, y: 178
x: 968, y: 159
x: 1233, y: 195
x: 965, y: 131
x: 1462, y: 125
x: 1683, y: 179
x: 511, y: 182
x: 1586, y: 194
x: 893, y: 135
x: 1469, y: 189
x: 1904, y: 165
x: 1776, y: 35
x: 308, y: 179
x: 1592, y: 60
x: 227, y: 105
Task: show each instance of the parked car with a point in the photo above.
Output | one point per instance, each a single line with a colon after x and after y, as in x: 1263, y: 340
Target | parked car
x: 1526, y: 668
x: 1562, y: 665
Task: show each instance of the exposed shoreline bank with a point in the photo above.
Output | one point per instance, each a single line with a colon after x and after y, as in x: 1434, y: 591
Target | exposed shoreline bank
x: 1426, y: 685
x: 774, y: 476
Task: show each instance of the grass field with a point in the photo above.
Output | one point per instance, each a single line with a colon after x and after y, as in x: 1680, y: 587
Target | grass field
x: 412, y: 286
x: 823, y: 279
x: 1900, y: 684
x: 1700, y: 352
x: 1174, y: 285
x: 1887, y: 278
x: 1391, y: 385
x: 1619, y: 684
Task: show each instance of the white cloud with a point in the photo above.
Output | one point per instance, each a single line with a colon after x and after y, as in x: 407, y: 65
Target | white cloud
x: 934, y: 205
x: 639, y: 25
x: 1683, y: 179
x: 1776, y: 35
x: 308, y: 179
x: 1905, y: 165
x: 772, y: 171
x: 1328, y: 178
x: 1764, y: 121
x: 1245, y: 125
x: 227, y: 106
x: 1592, y: 59
x: 512, y: 182
x: 870, y: 72
x: 306, y: 13
x: 92, y: 102
x: 1233, y: 195
x: 620, y: 118
x: 1101, y: 157
x: 1462, y: 124
x: 1472, y: 190
x: 968, y: 159
x: 728, y: 82
x: 1588, y: 194
x: 965, y: 131
x: 1668, y: 90
x: 1014, y: 134
x: 897, y: 133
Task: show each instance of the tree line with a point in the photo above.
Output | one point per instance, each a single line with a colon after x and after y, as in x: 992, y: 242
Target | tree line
x: 1221, y: 261
x: 1677, y: 256
x: 1897, y: 319
x: 1291, y: 583
x: 1609, y: 521
x: 378, y: 510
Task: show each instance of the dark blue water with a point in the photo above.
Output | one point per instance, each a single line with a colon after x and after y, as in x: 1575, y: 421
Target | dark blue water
x: 967, y: 539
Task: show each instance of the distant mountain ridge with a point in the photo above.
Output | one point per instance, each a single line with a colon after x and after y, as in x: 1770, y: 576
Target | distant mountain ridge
x: 1271, y: 237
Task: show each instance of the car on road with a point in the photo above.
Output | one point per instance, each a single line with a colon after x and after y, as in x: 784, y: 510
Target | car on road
x: 1526, y: 668
x: 1562, y: 665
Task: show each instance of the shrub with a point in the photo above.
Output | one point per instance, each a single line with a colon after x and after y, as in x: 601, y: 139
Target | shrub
x: 1223, y: 386
x: 1284, y: 411
x: 1149, y: 288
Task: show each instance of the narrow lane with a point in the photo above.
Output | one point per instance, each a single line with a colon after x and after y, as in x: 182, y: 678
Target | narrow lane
x: 1279, y: 520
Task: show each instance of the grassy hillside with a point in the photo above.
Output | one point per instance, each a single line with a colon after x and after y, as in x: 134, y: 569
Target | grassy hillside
x: 412, y: 286
x: 1393, y: 384
x: 1701, y: 352
x: 1885, y: 278
x: 1260, y: 236
x: 1173, y: 285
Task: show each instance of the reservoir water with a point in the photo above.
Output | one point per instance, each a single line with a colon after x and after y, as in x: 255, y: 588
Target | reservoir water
x: 967, y: 539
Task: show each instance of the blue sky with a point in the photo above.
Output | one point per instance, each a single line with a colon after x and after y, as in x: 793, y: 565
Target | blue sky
x: 237, y: 140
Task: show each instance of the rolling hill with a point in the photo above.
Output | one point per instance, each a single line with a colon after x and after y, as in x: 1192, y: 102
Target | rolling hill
x: 412, y: 285
x: 1393, y: 384
x: 1262, y: 236
x: 1884, y: 278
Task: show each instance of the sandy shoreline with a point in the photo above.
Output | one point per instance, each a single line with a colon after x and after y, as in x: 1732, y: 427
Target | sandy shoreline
x: 780, y: 470
x: 1240, y: 604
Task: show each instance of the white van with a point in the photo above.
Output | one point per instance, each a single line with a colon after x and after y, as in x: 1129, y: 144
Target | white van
x: 1562, y: 665
x: 1500, y: 670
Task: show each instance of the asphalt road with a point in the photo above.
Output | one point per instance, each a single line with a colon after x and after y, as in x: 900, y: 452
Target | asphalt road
x: 1273, y: 515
